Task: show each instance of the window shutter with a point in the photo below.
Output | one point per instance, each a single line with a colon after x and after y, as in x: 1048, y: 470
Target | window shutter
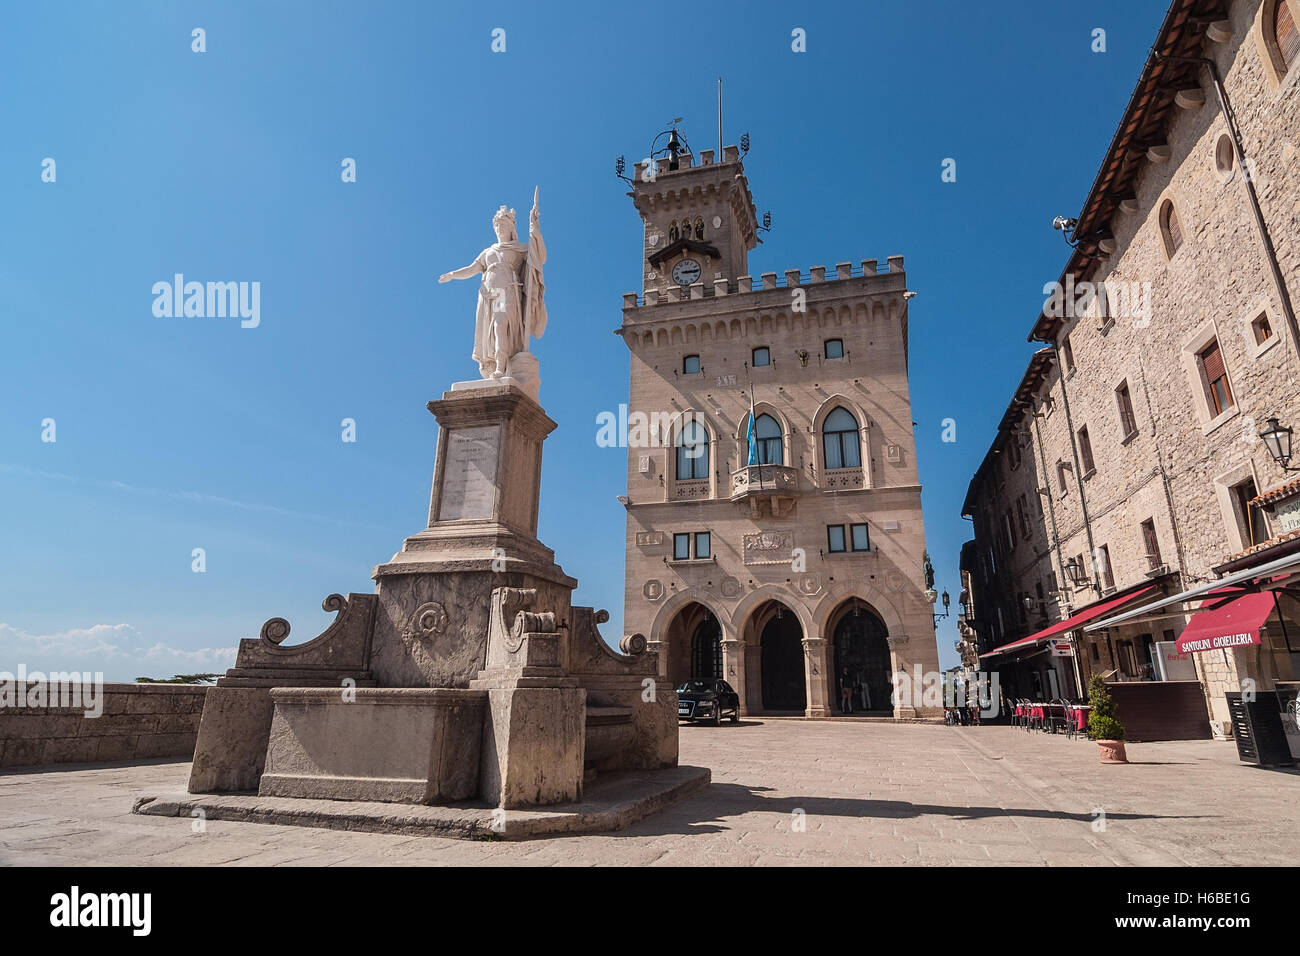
x: 1212, y: 360
x: 1175, y: 230
x: 1288, y: 38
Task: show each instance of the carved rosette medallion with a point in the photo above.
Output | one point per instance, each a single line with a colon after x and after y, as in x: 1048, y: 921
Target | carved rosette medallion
x: 426, y: 624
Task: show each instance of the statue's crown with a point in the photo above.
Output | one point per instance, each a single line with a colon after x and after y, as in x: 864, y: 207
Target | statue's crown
x: 503, y: 213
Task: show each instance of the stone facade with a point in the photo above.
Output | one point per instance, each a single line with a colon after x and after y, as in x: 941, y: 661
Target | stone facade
x: 767, y: 601
x: 1131, y: 366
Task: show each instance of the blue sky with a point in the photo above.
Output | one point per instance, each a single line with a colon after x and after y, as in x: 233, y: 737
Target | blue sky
x: 183, y: 433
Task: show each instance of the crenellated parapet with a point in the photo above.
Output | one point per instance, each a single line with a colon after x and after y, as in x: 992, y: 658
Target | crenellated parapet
x: 815, y: 300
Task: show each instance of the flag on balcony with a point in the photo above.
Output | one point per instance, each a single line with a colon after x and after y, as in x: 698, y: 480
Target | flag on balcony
x: 753, y: 442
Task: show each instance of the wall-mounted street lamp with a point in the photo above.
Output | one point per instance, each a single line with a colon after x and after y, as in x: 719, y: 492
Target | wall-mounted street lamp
x: 1066, y: 226
x: 946, y: 601
x: 1078, y: 574
x: 1277, y: 439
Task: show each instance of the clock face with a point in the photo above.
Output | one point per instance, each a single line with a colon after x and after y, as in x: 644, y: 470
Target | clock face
x: 686, y: 272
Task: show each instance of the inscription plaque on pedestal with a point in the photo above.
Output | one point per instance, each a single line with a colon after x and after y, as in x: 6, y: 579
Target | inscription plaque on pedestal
x: 469, y: 478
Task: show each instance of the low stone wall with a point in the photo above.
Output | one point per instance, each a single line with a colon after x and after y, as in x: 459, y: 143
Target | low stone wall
x: 137, y: 721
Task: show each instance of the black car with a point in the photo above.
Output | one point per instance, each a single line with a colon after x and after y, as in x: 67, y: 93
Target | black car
x: 707, y: 700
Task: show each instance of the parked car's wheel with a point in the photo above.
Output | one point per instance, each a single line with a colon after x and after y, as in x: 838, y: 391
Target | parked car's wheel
x: 717, y: 714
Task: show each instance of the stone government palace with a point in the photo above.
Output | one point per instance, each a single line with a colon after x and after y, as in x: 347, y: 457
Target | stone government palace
x: 782, y: 576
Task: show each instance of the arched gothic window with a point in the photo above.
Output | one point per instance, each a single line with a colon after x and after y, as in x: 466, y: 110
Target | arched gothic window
x: 767, y: 436
x: 840, y: 444
x: 692, y: 451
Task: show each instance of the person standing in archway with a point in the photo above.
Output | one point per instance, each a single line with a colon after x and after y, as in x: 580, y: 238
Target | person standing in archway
x: 846, y: 691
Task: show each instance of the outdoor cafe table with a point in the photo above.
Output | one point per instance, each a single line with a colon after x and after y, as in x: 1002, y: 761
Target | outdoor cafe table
x: 1081, y: 717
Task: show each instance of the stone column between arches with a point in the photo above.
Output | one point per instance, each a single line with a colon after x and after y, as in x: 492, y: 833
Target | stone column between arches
x: 733, y: 667
x: 906, y: 707
x: 816, y: 686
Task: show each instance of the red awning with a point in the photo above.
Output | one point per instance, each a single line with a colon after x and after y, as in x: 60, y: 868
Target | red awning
x: 1235, y: 624
x: 1070, y: 623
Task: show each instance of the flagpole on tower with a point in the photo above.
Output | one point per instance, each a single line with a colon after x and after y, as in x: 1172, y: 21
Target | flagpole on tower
x: 719, y: 159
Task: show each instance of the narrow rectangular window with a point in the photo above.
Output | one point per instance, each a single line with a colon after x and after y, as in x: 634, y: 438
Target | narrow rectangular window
x: 1127, y: 420
x: 1218, y: 391
x: 681, y: 547
x: 703, y: 544
x: 691, y: 365
x: 861, y: 540
x: 1151, y: 543
x: 1105, y: 570
x: 835, y: 538
x: 762, y: 356
x: 1085, y: 452
x: 834, y: 349
x: 1251, y: 516
x: 1067, y: 354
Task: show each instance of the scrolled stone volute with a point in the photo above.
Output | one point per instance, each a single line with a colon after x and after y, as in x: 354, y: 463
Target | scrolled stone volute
x: 275, y: 630
x: 633, y: 645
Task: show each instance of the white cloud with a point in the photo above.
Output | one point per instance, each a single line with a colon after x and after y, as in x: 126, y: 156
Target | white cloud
x: 118, y: 650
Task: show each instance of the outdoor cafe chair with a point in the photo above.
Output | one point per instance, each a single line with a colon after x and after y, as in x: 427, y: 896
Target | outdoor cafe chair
x: 1055, y: 714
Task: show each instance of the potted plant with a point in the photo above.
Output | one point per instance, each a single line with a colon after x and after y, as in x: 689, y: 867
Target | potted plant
x: 1103, y: 726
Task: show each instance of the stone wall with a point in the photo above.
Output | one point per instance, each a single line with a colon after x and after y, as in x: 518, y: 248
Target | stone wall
x: 1178, y: 466
x: 137, y: 721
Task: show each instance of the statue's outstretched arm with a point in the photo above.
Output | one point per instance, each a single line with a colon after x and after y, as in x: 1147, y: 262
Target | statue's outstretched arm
x: 473, y: 269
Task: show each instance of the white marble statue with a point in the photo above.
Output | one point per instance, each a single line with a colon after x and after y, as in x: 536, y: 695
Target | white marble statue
x: 510, y: 300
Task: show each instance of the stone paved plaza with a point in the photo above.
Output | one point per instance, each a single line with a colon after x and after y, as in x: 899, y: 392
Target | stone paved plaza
x: 871, y: 793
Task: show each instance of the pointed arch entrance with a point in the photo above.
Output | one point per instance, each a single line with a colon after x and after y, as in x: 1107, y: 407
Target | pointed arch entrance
x: 706, y: 650
x: 861, y: 660
x: 775, y: 660
x: 694, y: 644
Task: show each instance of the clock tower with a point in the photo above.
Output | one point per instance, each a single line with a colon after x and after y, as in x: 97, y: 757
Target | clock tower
x: 699, y: 221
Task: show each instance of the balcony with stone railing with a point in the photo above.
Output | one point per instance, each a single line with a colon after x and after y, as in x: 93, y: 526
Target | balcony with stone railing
x: 691, y: 489
x: 777, y: 484
x: 841, y: 478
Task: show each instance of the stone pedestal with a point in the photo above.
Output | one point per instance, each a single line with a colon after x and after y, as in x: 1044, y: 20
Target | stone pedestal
x: 231, y: 748
x: 400, y: 745
x: 534, y: 736
x: 432, y: 621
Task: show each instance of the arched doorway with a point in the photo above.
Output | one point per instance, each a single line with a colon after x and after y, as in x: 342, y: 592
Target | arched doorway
x: 781, y: 647
x: 860, y: 648
x: 691, y: 638
x: 706, y: 650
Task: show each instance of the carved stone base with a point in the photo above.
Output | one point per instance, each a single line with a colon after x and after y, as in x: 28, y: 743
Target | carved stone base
x: 393, y: 745
x: 431, y: 626
x: 533, y: 745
